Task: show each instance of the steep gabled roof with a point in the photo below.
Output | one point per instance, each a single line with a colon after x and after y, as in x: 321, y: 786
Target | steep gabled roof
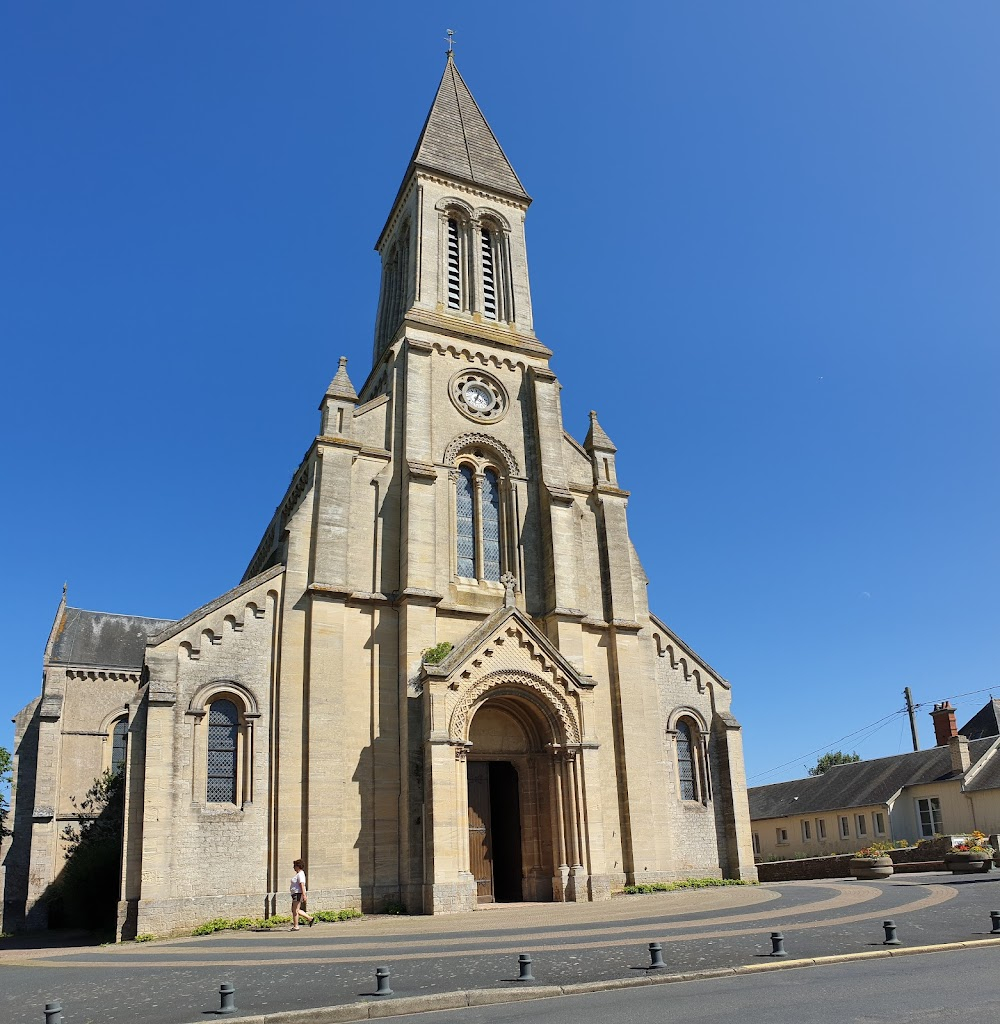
x: 457, y: 142
x: 859, y: 784
x: 985, y: 722
x: 101, y: 639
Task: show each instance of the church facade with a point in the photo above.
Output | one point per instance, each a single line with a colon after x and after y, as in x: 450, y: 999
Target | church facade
x: 439, y: 681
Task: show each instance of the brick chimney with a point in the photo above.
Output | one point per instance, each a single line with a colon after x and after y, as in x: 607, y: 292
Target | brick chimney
x: 945, y: 725
x: 958, y: 747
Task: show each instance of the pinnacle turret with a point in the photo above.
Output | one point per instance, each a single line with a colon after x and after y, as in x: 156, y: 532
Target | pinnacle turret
x: 596, y: 438
x: 341, y: 386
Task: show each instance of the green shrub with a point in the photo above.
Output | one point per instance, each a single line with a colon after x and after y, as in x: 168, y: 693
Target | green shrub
x: 224, y: 924
x: 685, y: 883
x: 145, y: 937
x: 436, y: 654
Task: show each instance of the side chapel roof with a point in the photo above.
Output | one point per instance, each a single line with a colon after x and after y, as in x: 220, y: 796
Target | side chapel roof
x: 101, y: 639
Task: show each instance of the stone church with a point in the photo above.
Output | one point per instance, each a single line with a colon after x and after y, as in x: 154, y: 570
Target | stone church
x: 439, y: 681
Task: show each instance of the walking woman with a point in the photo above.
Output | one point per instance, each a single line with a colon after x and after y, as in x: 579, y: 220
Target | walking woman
x: 299, y: 896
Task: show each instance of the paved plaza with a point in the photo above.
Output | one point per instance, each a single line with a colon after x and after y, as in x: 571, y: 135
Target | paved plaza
x: 176, y: 981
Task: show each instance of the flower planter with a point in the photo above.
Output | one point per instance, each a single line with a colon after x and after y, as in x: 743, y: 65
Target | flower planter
x: 871, y: 867
x: 960, y: 862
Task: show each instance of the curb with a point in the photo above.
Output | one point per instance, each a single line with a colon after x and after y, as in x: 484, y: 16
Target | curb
x: 484, y: 996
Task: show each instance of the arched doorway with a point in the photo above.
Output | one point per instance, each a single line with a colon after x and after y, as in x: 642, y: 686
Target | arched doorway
x: 510, y: 786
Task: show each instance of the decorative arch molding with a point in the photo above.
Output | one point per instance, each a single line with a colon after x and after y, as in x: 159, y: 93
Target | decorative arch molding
x: 471, y: 439
x: 223, y: 687
x: 544, y: 695
x: 482, y: 358
x: 687, y: 712
x: 453, y: 204
x: 486, y: 214
x: 113, y: 716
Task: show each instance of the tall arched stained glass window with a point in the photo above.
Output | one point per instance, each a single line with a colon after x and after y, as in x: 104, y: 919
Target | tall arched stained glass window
x: 466, y: 522
x: 223, y: 732
x: 685, y: 762
x: 119, y: 744
x: 491, y: 526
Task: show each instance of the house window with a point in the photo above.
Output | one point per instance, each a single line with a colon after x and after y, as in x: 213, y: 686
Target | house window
x: 878, y: 819
x: 782, y: 834
x: 756, y: 843
x: 929, y: 817
x: 821, y: 829
x: 223, y: 736
x: 845, y: 826
x: 119, y: 744
x: 862, y: 826
x: 806, y: 832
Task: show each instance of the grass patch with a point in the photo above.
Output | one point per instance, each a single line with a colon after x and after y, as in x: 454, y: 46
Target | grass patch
x: 237, y: 924
x: 685, y: 883
x: 144, y: 937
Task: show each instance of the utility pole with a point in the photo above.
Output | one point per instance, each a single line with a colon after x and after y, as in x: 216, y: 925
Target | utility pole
x: 911, y: 711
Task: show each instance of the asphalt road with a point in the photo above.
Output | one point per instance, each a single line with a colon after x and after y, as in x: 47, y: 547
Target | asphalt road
x: 939, y: 988
x: 176, y: 981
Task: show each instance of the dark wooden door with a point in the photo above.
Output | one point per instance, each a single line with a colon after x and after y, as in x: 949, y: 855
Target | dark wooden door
x: 480, y: 839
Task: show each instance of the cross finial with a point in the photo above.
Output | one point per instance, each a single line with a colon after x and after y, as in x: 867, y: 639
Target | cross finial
x: 451, y: 39
x: 509, y: 582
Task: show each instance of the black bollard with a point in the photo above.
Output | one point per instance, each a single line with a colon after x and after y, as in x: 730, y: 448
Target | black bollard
x: 995, y: 918
x: 382, y: 982
x: 655, y: 955
x: 524, y: 966
x: 227, y: 998
x: 777, y: 944
x: 53, y: 1013
x: 890, y: 934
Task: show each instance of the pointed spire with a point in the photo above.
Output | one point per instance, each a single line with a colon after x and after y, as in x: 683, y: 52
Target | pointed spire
x: 596, y: 438
x: 341, y: 386
x: 457, y: 142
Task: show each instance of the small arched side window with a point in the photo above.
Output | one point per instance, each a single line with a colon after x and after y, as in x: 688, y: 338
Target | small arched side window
x: 223, y: 737
x: 119, y: 744
x: 691, y: 772
x: 489, y: 275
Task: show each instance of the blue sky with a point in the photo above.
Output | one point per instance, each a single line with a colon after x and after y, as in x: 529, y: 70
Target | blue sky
x: 764, y: 246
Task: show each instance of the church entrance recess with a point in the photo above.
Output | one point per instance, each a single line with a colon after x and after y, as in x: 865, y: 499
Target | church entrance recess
x: 495, y: 831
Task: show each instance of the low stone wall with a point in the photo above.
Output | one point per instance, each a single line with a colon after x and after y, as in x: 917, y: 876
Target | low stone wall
x: 926, y: 857
x: 806, y: 867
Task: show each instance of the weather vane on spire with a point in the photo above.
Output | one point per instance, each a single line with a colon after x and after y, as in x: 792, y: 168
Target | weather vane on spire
x: 451, y: 39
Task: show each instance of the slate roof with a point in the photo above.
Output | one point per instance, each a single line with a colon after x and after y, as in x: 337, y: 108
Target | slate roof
x: 859, y: 784
x: 985, y: 722
x: 457, y: 142
x: 102, y: 639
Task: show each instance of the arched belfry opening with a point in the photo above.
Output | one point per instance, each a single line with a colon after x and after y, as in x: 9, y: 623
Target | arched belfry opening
x: 515, y: 751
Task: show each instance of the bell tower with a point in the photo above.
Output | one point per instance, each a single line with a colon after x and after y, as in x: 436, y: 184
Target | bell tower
x: 453, y: 249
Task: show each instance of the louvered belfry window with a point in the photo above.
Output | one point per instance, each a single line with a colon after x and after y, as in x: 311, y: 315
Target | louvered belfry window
x: 491, y: 526
x: 489, y: 277
x: 454, y: 266
x: 685, y: 762
x: 119, y: 744
x: 223, y: 733
x: 466, y: 522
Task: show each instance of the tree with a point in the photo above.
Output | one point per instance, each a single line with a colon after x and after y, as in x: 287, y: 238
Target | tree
x: 831, y: 758
x: 4, y: 783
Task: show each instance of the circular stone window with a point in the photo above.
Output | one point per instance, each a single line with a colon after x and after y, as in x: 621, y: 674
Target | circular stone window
x: 478, y: 395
